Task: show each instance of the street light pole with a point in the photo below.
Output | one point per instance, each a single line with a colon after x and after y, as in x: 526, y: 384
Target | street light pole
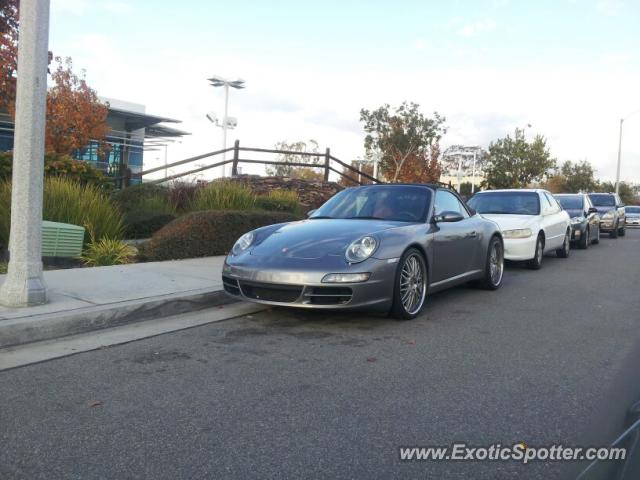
x: 223, y: 82
x: 224, y: 128
x: 24, y: 285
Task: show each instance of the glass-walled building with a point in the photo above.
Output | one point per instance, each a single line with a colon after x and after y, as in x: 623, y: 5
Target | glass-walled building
x: 132, y: 132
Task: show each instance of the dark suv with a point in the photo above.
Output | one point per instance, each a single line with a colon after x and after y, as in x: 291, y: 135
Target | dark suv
x: 612, y: 213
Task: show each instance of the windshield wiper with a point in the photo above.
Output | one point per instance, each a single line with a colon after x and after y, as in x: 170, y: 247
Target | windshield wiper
x: 366, y: 217
x: 320, y: 217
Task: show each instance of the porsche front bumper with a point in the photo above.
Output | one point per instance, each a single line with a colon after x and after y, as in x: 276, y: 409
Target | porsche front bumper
x: 297, y: 286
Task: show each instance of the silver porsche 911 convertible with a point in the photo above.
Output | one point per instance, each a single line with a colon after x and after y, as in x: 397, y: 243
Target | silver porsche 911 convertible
x: 376, y: 247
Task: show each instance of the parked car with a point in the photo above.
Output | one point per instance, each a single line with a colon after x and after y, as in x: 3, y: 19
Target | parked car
x: 532, y: 223
x: 612, y: 213
x: 371, y: 247
x: 632, y: 215
x: 585, y: 220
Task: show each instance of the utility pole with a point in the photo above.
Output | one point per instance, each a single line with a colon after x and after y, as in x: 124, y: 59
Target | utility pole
x: 619, y: 157
x: 24, y: 285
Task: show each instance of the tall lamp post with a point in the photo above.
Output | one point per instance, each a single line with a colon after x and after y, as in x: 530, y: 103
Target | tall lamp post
x: 238, y: 84
x: 620, y: 149
x: 24, y: 285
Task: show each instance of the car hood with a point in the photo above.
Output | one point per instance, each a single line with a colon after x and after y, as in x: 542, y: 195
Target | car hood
x: 575, y: 212
x: 511, y: 222
x: 312, y: 239
x: 633, y: 215
x: 602, y: 210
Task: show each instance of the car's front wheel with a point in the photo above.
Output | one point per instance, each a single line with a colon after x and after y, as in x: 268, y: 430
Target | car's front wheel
x: 536, y: 262
x: 614, y: 233
x: 622, y: 232
x: 494, y: 266
x: 563, y: 252
x: 410, y: 285
x: 585, y: 241
x: 596, y: 239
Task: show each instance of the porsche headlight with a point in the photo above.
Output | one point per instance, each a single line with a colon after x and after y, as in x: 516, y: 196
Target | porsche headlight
x: 609, y: 215
x: 576, y: 220
x: 243, y: 243
x: 518, y: 233
x: 361, y: 249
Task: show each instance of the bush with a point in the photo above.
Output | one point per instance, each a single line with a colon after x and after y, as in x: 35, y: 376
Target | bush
x: 143, y: 224
x: 56, y: 165
x: 107, y: 252
x: 3, y: 268
x: 204, y: 234
x: 223, y: 195
x: 280, y: 201
x: 68, y: 201
x: 182, y: 194
x: 132, y: 198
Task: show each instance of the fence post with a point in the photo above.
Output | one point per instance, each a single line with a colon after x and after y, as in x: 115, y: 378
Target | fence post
x: 236, y: 155
x: 327, y: 161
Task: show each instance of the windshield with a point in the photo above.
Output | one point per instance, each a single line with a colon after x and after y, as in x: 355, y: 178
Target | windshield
x: 570, y: 202
x: 383, y: 202
x: 632, y: 209
x: 506, y: 203
x: 602, y: 200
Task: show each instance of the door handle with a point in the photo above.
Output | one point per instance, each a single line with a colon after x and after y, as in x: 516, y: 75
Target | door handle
x: 473, y: 234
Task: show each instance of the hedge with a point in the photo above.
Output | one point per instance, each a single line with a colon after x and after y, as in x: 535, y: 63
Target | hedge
x: 205, y: 234
x: 141, y: 224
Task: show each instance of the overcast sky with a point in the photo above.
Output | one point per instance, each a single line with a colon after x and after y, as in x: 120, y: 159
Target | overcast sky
x: 570, y: 68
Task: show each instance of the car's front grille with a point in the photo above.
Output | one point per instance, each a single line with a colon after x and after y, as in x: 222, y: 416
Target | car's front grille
x: 230, y: 285
x: 271, y: 292
x: 328, y: 295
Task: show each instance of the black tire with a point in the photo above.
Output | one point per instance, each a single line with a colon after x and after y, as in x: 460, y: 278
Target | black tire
x: 585, y: 240
x: 563, y: 252
x: 614, y: 233
x: 399, y: 309
x: 596, y: 240
x: 536, y: 262
x: 493, y: 278
x: 623, y: 231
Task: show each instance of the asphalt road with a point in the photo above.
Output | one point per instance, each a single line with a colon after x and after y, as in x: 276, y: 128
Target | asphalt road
x: 550, y: 358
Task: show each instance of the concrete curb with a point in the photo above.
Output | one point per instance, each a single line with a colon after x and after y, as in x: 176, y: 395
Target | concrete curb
x: 37, y: 328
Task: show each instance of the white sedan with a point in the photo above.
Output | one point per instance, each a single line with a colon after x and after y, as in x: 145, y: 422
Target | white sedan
x: 532, y: 223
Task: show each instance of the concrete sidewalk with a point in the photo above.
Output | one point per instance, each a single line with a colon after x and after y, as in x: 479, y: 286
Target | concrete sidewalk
x: 85, y: 299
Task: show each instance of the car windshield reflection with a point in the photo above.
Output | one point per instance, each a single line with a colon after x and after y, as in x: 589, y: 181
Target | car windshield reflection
x: 506, y: 203
x: 378, y: 202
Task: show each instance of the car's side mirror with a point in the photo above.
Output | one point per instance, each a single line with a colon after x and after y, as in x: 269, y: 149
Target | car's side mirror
x: 311, y: 212
x: 592, y: 210
x: 620, y: 206
x: 448, y: 217
x: 472, y: 210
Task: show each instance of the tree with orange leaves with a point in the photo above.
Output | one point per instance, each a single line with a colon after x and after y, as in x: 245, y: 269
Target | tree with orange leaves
x: 75, y: 114
x: 8, y: 52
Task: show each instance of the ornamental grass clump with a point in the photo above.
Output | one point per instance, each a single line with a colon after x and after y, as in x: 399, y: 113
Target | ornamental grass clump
x: 68, y: 201
x: 280, y: 201
x: 223, y: 195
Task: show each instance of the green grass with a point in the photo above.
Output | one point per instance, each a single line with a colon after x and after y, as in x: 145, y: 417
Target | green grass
x: 107, y: 252
x: 3, y: 268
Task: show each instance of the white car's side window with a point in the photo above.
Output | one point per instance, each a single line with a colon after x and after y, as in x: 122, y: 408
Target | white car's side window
x: 546, y: 204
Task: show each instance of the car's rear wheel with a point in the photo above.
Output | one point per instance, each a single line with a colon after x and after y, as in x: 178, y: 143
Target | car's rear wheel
x: 563, y: 252
x: 614, y: 233
x: 536, y: 262
x: 623, y: 231
x: 494, y: 266
x: 410, y: 285
x: 585, y: 241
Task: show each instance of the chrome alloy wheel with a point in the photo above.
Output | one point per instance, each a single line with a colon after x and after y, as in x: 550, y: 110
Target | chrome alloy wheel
x: 412, y: 284
x: 496, y: 263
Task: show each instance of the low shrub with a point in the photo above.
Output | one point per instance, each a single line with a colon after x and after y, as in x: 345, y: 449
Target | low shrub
x: 143, y: 224
x: 134, y: 197
x: 68, y: 201
x: 3, y: 268
x: 107, y: 252
x: 6, y: 165
x: 280, y: 201
x: 223, y: 195
x: 204, y: 234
